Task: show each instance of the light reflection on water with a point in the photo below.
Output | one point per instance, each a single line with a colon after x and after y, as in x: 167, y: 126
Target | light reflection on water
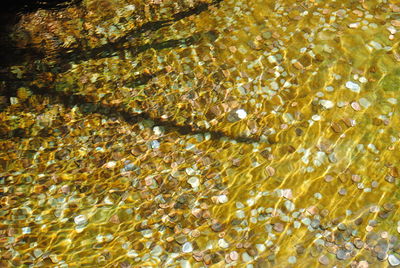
x: 289, y: 183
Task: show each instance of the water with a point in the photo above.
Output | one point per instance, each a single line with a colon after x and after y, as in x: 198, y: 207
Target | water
x: 225, y: 133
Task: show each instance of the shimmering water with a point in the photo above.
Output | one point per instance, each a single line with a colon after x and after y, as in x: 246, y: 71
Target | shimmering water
x: 199, y: 133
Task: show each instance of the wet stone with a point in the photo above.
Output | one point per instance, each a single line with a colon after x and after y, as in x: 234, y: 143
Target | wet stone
x: 315, y: 224
x: 394, y: 260
x: 390, y: 179
x: 252, y: 252
x: 349, y: 246
x: 336, y: 127
x: 324, y: 260
x: 356, y: 106
x: 328, y: 178
x: 300, y: 249
x: 198, y: 256
x: 292, y: 259
x: 342, y: 227
x: 383, y: 245
x: 187, y: 247
x: 363, y: 264
x: 181, y: 239
x: 358, y: 221
x: 37, y: 252
x: 353, y: 86
x: 278, y: 227
x: 217, y: 227
x: 381, y: 256
x: 383, y: 214
x: 342, y: 254
x: 342, y: 191
x: 358, y: 243
x: 80, y: 220
x: 234, y: 255
x: 246, y: 257
x: 388, y: 206
x: 222, y: 243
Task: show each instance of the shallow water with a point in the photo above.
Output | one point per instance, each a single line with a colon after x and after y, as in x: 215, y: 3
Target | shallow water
x: 226, y: 133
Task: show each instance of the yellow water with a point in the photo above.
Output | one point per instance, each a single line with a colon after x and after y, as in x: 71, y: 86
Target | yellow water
x: 309, y: 148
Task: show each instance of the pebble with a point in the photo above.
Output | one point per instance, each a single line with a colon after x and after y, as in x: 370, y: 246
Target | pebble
x: 266, y: 35
x: 358, y: 243
x: 336, y: 127
x: 236, y: 115
x: 222, y: 199
x: 26, y: 230
x: 187, y: 247
x: 241, y: 114
x: 190, y: 171
x: 298, y: 65
x: 80, y: 220
x: 381, y: 256
x: 355, y: 105
x: 289, y: 205
x: 278, y: 227
x: 158, y: 130
x: 37, y: 252
x: 327, y: 104
x: 261, y: 247
x: 342, y: 191
x: 364, y: 102
x: 155, y: 144
x: 157, y: 250
x: 292, y: 259
x: 246, y: 257
x: 395, y: 23
x: 195, y: 233
x: 185, y: 264
x: 342, y: 227
x: 222, y: 243
x: 110, y: 164
x: 356, y: 178
x: 234, y: 256
x: 194, y: 182
x: 363, y: 264
x: 181, y: 239
x: 217, y: 227
x: 354, y: 25
x: 342, y: 254
x: 306, y: 221
x: 329, y: 178
x: 240, y: 214
x: 270, y: 171
x: 394, y: 260
x: 375, y: 45
x: 323, y: 260
x: 349, y: 122
x: 239, y: 205
x: 316, y: 117
x: 132, y: 254
x: 287, y: 193
x: 353, y: 86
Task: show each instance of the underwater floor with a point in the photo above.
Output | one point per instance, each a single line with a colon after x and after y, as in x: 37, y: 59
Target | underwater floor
x: 225, y: 133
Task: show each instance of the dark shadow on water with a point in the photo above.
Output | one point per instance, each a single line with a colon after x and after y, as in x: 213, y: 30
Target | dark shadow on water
x: 88, y: 105
x: 79, y: 54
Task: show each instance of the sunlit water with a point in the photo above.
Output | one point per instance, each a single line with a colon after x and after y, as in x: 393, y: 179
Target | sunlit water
x: 258, y: 133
